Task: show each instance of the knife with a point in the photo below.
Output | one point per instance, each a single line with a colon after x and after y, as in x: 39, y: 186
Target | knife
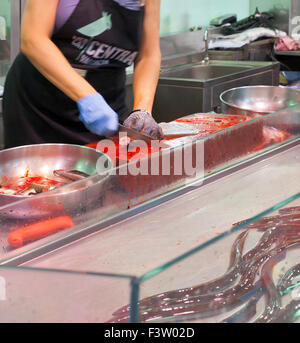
x: 135, y: 135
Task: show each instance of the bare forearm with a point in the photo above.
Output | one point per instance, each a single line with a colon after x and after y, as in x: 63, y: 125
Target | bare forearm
x: 50, y: 62
x: 37, y: 27
x: 145, y: 80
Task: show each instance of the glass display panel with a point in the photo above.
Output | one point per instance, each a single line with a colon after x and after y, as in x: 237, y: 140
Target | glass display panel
x: 250, y: 273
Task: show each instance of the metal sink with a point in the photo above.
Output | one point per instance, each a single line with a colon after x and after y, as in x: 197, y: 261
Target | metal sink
x: 196, y: 87
x: 202, y: 72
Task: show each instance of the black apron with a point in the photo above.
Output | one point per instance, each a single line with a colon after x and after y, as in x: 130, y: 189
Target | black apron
x: 35, y: 111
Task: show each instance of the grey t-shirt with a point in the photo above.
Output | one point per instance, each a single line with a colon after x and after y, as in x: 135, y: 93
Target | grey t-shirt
x: 66, y: 7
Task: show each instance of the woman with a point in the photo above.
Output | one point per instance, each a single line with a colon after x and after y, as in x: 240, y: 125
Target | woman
x: 68, y: 83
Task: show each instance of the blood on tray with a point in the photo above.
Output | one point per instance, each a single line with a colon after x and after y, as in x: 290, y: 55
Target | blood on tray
x: 19, y: 184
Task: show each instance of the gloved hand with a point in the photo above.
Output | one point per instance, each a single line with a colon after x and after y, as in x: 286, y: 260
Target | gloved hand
x: 140, y: 120
x: 97, y: 116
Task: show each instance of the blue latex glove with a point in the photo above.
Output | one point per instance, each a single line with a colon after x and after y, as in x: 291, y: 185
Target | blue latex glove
x: 140, y: 120
x: 97, y: 116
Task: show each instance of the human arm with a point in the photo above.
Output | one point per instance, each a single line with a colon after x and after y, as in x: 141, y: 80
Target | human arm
x: 37, y: 27
x: 146, y: 72
x: 147, y: 66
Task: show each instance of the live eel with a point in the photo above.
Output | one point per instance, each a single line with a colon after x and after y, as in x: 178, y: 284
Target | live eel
x: 216, y: 297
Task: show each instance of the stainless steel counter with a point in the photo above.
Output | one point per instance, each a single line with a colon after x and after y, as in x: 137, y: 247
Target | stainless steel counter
x: 147, y: 240
x: 172, y: 243
x: 103, y: 202
x: 289, y: 53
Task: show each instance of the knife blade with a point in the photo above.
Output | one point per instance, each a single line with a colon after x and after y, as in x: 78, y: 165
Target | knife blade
x: 135, y: 135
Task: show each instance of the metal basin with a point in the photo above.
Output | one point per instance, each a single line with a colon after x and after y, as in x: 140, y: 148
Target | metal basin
x: 205, y: 72
x: 253, y: 100
x: 196, y: 87
x: 43, y: 159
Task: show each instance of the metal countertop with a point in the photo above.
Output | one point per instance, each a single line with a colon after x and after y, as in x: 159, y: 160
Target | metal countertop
x: 151, y: 238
